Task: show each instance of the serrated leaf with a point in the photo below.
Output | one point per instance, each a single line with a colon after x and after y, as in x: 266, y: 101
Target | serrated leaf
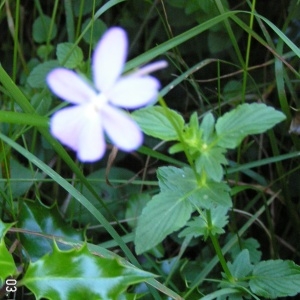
x: 244, y: 120
x: 184, y: 182
x: 77, y: 275
x: 241, y: 267
x: 251, y: 245
x: 37, y: 77
x: 42, y: 220
x: 69, y: 55
x: 212, y: 194
x: 40, y: 29
x: 164, y: 214
x: 154, y: 121
x: 4, y: 228
x: 275, y: 278
x: 210, y: 161
x: 207, y: 126
x: 7, y: 264
x: 199, y: 225
x: 176, y: 179
x: 170, y: 210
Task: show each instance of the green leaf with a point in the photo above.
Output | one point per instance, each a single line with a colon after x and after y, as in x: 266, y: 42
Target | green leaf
x: 177, y: 3
x: 170, y: 210
x: 135, y: 205
x: 275, y: 278
x: 44, y: 51
x: 244, y: 120
x: 41, y: 27
x: 155, y: 121
x: 21, y: 179
x: 77, y: 275
x: 184, y: 182
x: 251, y: 245
x: 113, y: 198
x: 241, y: 267
x: 94, y: 33
x: 7, y: 264
x: 37, y: 77
x: 210, y: 161
x: 69, y: 55
x: 175, y: 179
x: 207, y: 126
x: 41, y: 103
x: 43, y: 221
x: 4, y: 228
x: 219, y: 41
x: 164, y: 214
x: 84, y: 7
x: 232, y: 89
x: 212, y: 194
x: 199, y: 225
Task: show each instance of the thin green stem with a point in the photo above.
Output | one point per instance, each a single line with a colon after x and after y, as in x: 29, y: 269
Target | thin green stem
x: 219, y: 86
x: 16, y: 39
x: 230, y: 33
x: 208, y: 268
x: 51, y: 27
x: 69, y: 20
x: 245, y: 73
x: 218, y: 249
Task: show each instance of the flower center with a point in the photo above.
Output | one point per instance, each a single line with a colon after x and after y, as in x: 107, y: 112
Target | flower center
x: 98, y: 102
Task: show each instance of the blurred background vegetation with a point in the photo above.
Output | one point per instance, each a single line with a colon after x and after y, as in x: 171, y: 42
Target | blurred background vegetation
x: 241, y: 59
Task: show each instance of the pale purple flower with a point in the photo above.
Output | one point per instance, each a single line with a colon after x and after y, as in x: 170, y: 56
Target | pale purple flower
x: 81, y: 126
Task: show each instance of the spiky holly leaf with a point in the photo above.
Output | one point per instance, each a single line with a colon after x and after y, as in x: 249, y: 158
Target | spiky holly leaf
x: 43, y: 221
x: 7, y: 264
x: 77, y: 274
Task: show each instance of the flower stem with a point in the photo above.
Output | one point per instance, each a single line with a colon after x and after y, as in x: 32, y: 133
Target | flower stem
x: 217, y: 247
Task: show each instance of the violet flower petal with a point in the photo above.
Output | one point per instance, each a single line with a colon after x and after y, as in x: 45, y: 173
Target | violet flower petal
x: 69, y: 86
x: 79, y: 127
x: 121, y: 129
x: 91, y: 146
x: 134, y: 92
x: 66, y: 125
x: 109, y: 58
x: 147, y: 69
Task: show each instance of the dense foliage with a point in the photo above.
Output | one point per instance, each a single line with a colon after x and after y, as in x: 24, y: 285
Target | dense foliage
x: 208, y: 206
